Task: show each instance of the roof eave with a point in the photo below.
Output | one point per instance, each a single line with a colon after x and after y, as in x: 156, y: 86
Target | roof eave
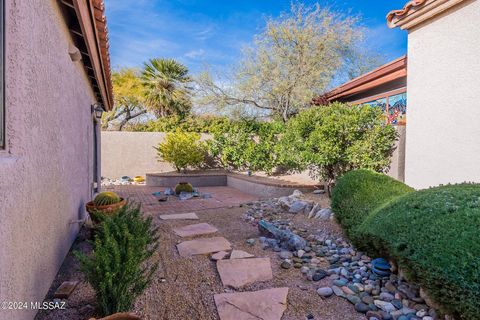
x: 388, y: 72
x: 416, y: 12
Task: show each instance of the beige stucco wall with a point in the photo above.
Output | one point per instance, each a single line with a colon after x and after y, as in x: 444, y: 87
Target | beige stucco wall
x: 46, y: 173
x: 397, y: 161
x: 132, y: 153
x: 443, y: 131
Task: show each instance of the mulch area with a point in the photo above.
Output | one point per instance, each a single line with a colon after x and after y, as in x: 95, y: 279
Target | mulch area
x: 183, y: 288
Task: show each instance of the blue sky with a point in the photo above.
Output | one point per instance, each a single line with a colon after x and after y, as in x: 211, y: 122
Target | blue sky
x: 213, y: 32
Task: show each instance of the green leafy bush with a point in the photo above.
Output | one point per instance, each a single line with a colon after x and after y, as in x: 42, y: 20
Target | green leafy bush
x: 198, y: 124
x: 359, y: 192
x: 117, y: 268
x: 332, y: 140
x: 182, y: 149
x: 434, y: 235
x: 247, y: 144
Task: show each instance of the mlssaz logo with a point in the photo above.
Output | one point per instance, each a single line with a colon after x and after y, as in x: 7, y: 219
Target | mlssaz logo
x: 48, y: 305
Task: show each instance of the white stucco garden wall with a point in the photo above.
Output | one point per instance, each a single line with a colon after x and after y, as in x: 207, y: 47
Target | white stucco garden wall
x: 47, y: 169
x: 443, y: 131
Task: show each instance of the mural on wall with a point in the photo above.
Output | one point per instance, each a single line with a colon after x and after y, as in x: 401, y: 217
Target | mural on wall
x: 397, y: 109
x: 394, y: 107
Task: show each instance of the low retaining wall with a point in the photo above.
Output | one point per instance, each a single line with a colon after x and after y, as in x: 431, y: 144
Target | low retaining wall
x: 197, y: 180
x: 259, y: 186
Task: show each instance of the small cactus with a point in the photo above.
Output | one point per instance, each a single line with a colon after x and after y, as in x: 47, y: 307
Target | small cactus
x: 183, y: 186
x: 106, y: 198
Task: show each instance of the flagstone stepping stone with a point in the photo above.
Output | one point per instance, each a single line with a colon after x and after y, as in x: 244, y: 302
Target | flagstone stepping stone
x: 203, y: 246
x: 219, y: 255
x: 195, y: 230
x: 65, y: 289
x: 239, y: 254
x: 179, y: 216
x: 240, y: 272
x: 266, y: 304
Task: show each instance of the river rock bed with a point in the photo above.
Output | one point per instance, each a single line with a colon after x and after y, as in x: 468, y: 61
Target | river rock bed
x: 327, y: 255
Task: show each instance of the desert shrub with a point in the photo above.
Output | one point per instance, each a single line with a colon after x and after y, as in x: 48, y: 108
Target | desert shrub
x: 332, y: 140
x: 117, y: 268
x: 247, y: 144
x: 182, y: 149
x: 198, y: 124
x: 359, y: 192
x: 434, y: 236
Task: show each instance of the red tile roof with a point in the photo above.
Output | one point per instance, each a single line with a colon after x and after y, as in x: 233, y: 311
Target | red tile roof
x: 102, y: 31
x: 399, y: 13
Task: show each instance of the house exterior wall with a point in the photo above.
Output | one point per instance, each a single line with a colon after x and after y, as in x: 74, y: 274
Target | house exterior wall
x: 47, y: 169
x: 443, y: 131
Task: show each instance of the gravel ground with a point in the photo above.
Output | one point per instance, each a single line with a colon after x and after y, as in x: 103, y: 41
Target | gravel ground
x: 184, y: 287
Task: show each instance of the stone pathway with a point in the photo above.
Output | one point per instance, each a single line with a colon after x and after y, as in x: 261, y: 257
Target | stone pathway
x: 179, y: 216
x: 266, y: 304
x: 238, y: 271
x: 239, y: 254
x: 195, y: 230
x: 203, y: 246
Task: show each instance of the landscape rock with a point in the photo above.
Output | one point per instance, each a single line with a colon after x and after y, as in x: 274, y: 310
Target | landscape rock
x: 325, y: 292
x: 239, y: 254
x: 219, y: 255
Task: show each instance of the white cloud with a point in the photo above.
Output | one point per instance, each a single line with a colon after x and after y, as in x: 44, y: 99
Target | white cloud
x: 195, y: 54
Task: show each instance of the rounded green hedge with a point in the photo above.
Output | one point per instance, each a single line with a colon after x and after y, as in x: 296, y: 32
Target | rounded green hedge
x: 434, y: 235
x: 359, y: 192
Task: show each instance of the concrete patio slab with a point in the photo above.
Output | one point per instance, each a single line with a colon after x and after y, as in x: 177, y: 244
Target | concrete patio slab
x: 240, y: 254
x: 203, y: 246
x: 266, y: 304
x: 240, y: 272
x: 195, y: 230
x: 179, y: 216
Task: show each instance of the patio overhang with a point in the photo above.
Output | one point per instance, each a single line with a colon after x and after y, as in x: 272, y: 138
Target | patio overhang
x: 389, y: 72
x: 87, y: 24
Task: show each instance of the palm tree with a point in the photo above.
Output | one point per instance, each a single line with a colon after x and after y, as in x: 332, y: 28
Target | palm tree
x: 166, y: 83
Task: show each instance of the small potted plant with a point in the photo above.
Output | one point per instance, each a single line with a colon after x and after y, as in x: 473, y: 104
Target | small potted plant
x: 105, y: 203
x: 183, y: 187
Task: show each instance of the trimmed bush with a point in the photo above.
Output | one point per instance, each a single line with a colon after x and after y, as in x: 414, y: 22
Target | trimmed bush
x: 434, y: 235
x: 182, y: 150
x: 359, y: 192
x: 191, y: 123
x: 117, y: 268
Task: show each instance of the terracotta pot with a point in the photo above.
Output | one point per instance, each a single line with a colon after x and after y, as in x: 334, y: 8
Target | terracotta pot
x: 109, y: 209
x: 120, y: 316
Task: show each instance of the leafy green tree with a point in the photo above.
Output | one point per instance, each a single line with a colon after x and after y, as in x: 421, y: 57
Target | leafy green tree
x: 129, y: 98
x: 332, y: 140
x: 167, y: 90
x: 247, y: 145
x: 292, y: 61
